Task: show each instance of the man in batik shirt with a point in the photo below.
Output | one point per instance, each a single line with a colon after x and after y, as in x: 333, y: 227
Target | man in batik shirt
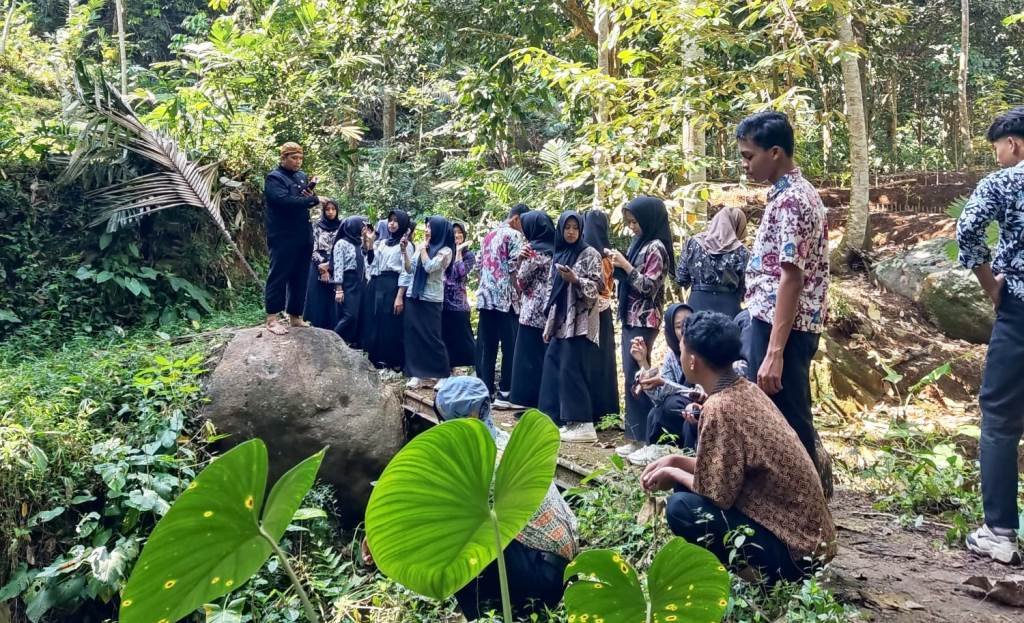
x: 496, y: 302
x: 787, y: 278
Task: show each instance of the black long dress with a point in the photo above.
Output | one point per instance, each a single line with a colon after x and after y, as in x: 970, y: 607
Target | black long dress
x: 320, y: 309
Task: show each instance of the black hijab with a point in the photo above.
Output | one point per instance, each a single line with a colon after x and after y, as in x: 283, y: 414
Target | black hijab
x: 351, y: 231
x: 442, y: 235
x: 565, y: 254
x: 327, y: 224
x: 595, y: 230
x: 539, y: 230
x: 403, y: 226
x: 652, y: 217
x: 670, y: 326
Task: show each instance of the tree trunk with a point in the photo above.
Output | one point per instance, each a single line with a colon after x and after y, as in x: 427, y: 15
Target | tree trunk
x: 694, y: 147
x: 390, y: 117
x: 857, y: 237
x: 894, y: 127
x: 7, y: 27
x: 119, y: 15
x: 602, y: 26
x: 965, y: 119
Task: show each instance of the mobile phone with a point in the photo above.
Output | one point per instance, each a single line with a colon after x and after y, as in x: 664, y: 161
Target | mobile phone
x: 311, y: 185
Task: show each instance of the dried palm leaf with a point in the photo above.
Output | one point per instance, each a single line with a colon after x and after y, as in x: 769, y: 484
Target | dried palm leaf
x: 109, y: 130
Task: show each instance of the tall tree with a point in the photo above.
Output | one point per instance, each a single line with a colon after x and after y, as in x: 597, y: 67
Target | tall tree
x: 602, y: 26
x: 965, y: 44
x: 857, y: 238
x: 7, y: 27
x: 119, y: 18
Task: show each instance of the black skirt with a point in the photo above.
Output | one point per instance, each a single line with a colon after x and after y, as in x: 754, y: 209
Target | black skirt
x: 527, y: 366
x: 367, y: 333
x: 350, y: 309
x: 457, y: 333
x: 604, y: 379
x: 320, y: 311
x: 727, y: 303
x: 564, y: 388
x: 425, y: 354
x: 385, y: 330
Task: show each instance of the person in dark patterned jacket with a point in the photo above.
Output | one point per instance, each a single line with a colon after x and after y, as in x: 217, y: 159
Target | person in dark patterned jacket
x: 1000, y: 198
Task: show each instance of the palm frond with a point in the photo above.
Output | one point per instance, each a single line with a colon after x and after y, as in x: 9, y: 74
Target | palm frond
x: 557, y: 156
x: 110, y: 130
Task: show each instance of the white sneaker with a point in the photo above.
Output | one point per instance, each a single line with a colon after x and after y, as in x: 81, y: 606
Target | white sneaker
x: 648, y: 454
x: 628, y: 449
x: 579, y: 432
x: 506, y: 404
x: 414, y: 383
x: 998, y: 547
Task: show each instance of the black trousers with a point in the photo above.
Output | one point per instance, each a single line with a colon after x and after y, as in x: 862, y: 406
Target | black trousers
x: 698, y: 520
x: 286, y: 281
x: 534, y: 582
x: 564, y: 384
x: 1002, y: 414
x: 795, y: 398
x: 666, y: 426
x: 637, y: 406
x: 494, y: 329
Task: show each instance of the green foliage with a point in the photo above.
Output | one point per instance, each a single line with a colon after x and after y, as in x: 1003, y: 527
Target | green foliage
x: 217, y: 534
x: 955, y: 209
x: 801, y: 602
x: 685, y: 583
x: 434, y: 530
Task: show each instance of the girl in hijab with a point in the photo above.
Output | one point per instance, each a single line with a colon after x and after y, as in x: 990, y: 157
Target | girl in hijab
x: 425, y: 355
x: 713, y: 263
x: 641, y: 276
x: 571, y: 331
x: 536, y: 560
x: 668, y: 391
x: 533, y: 284
x: 456, y: 330
x: 349, y: 276
x: 320, y: 309
x: 383, y: 333
x: 604, y: 378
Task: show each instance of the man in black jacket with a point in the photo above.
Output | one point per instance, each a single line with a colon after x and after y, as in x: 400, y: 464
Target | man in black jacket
x: 289, y: 197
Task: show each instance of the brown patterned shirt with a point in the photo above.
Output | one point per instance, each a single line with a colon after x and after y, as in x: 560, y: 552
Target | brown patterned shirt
x: 749, y: 458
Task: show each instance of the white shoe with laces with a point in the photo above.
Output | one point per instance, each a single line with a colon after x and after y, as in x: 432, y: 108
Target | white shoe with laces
x: 628, y: 449
x: 578, y: 432
x: 648, y: 454
x: 999, y: 547
x: 414, y: 383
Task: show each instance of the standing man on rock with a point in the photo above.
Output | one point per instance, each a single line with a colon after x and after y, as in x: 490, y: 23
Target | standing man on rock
x: 787, y: 278
x: 497, y: 302
x: 1000, y: 198
x: 288, y: 196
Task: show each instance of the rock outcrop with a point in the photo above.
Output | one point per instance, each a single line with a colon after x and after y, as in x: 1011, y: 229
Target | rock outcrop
x: 301, y: 392
x: 949, y: 295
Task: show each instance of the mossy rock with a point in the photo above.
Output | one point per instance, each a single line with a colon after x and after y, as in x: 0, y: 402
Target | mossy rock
x: 956, y: 304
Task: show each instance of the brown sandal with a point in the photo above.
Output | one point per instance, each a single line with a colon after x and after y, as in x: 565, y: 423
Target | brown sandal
x: 277, y: 327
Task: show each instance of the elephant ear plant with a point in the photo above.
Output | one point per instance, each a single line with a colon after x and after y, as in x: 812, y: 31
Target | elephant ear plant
x: 685, y: 584
x: 216, y: 536
x: 433, y: 523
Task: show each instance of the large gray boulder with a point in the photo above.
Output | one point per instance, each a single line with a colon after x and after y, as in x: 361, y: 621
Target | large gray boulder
x: 904, y: 273
x: 953, y: 300
x: 300, y: 392
x: 949, y: 295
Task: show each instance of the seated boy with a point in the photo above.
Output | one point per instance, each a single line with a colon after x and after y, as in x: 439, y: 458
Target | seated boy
x: 750, y: 470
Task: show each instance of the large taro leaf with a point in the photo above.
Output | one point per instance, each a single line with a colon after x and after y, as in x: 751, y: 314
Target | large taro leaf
x: 209, y: 542
x: 686, y: 584
x: 606, y: 588
x: 429, y: 519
